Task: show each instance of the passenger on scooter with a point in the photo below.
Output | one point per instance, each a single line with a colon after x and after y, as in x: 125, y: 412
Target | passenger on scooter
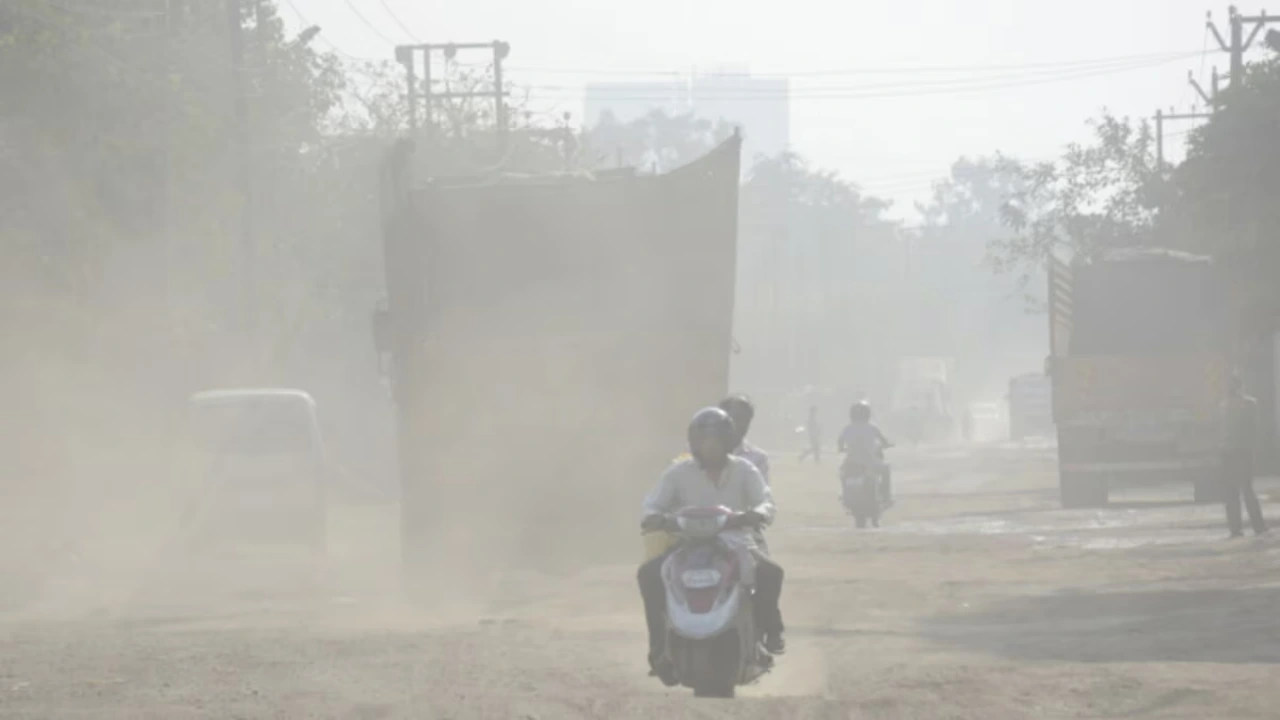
x: 864, y: 444
x: 710, y: 478
x: 742, y: 412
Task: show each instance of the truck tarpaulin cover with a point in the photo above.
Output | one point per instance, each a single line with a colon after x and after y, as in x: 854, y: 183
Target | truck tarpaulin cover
x: 564, y: 330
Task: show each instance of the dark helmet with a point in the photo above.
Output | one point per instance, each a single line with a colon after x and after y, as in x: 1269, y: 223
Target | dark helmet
x: 860, y: 411
x: 711, y: 424
x: 740, y: 411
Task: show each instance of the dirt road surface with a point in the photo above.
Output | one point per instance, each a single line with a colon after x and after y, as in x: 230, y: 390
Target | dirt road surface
x: 978, y: 599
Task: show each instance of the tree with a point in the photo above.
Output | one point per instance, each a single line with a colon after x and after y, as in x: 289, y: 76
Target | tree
x: 815, y: 257
x: 1095, y: 197
x: 988, y: 323
x: 1222, y: 197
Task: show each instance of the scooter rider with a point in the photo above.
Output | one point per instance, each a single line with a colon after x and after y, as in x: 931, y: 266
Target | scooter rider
x: 864, y: 444
x: 742, y: 412
x: 711, y: 477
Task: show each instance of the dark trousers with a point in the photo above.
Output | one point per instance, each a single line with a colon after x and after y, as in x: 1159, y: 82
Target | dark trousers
x: 1237, y: 484
x: 768, y: 591
x: 815, y: 449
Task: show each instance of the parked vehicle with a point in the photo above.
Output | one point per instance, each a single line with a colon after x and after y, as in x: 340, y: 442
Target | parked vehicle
x: 1140, y: 371
x: 1030, y: 406
x: 260, y: 461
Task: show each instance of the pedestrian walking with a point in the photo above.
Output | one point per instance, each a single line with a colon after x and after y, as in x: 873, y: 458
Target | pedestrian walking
x: 814, y: 431
x: 1241, y: 421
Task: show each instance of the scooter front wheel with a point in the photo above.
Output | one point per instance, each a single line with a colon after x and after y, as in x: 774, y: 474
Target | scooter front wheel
x: 718, y: 690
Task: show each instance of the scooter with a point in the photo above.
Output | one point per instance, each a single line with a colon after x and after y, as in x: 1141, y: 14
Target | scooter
x: 712, y: 638
x: 862, y: 493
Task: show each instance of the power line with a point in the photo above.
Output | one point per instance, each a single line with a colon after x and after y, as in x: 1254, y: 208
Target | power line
x: 351, y: 4
x: 397, y: 20
x: 932, y: 83
x: 302, y: 19
x: 779, y: 91
x: 1171, y: 55
x: 112, y: 12
x: 859, y: 92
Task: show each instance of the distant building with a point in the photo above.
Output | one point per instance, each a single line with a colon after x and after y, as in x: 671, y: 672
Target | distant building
x: 760, y: 106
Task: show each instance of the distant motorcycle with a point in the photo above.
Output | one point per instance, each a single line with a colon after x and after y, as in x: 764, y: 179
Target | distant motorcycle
x: 862, y: 494
x: 712, y: 638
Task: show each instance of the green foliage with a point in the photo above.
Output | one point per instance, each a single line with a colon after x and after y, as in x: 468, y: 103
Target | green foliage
x: 1223, y: 196
x: 1095, y: 197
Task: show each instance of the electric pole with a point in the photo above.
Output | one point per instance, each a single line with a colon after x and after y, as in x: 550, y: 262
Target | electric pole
x: 174, y: 16
x: 500, y: 50
x: 1161, y: 118
x: 407, y: 56
x: 1239, y: 43
x: 244, y: 168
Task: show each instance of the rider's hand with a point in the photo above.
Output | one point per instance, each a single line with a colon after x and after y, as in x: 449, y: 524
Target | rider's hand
x: 750, y: 518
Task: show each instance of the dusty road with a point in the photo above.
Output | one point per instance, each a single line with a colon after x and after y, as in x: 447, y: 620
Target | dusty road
x: 979, y: 599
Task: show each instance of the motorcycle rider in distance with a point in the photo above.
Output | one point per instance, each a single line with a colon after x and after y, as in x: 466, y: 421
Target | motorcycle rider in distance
x: 864, y: 444
x: 712, y: 477
x: 742, y: 412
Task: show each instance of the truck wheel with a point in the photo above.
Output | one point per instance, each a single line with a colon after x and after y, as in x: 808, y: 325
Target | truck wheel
x: 1082, y: 491
x: 1207, y: 490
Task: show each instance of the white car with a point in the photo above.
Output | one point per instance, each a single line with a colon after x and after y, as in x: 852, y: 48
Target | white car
x: 260, y: 460
x: 988, y: 420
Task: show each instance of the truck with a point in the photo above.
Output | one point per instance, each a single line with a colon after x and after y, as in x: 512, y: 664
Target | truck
x: 546, y: 340
x: 922, y: 398
x: 1030, y: 406
x: 1139, y: 366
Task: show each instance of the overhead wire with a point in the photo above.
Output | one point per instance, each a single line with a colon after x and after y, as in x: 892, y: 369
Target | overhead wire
x: 113, y: 12
x: 356, y: 11
x: 396, y: 18
x: 324, y: 40
x: 861, y: 70
x: 855, y: 92
x: 934, y: 82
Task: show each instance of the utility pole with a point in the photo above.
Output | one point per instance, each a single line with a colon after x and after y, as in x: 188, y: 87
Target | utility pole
x: 1161, y: 119
x: 244, y: 168
x: 500, y: 50
x: 407, y: 56
x: 1210, y: 98
x: 1239, y: 43
x: 174, y: 17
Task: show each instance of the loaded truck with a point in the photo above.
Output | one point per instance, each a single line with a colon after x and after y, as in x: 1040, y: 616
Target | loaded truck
x: 547, y: 338
x: 922, y: 398
x: 1139, y: 370
x: 1030, y: 406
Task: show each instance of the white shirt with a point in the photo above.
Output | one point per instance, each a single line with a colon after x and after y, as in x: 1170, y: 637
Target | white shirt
x: 758, y: 457
x: 740, y: 487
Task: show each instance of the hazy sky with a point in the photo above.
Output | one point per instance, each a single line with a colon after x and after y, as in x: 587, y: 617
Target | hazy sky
x: 891, y: 145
